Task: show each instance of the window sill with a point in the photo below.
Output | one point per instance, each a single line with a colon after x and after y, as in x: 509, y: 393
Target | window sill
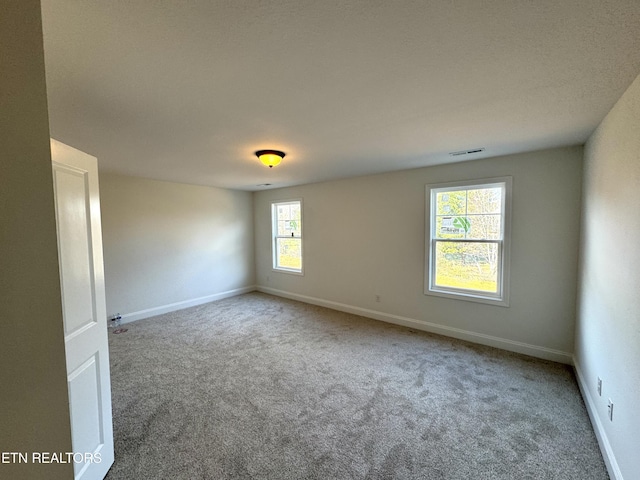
x: 469, y: 297
x: 300, y: 273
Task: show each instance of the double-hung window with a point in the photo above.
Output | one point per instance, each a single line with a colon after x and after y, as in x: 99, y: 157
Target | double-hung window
x: 468, y: 225
x: 287, y: 236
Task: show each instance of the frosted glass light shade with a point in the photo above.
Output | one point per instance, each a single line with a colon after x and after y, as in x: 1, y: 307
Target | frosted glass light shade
x: 270, y: 158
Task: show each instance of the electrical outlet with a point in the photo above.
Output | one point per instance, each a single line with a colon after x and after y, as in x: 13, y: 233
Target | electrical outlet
x: 378, y: 298
x: 599, y: 386
x: 610, y: 407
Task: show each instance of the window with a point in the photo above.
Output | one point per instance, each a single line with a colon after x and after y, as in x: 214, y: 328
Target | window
x: 468, y: 240
x: 287, y: 236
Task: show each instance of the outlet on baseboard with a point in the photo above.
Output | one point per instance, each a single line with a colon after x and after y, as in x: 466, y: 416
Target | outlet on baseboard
x: 610, y: 407
x: 599, y: 386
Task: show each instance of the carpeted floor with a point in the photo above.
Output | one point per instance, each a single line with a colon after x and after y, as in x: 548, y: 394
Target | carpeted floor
x: 261, y: 387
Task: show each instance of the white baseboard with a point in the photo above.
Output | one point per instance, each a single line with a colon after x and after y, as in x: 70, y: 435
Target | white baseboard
x: 491, y: 341
x: 172, y: 307
x: 603, y: 440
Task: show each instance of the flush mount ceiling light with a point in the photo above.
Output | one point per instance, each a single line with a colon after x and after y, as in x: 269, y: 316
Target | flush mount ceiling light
x: 270, y: 158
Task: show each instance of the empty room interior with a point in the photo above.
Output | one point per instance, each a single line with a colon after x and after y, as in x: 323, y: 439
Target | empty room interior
x: 357, y: 239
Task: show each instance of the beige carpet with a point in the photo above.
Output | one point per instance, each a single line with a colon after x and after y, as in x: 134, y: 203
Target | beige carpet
x: 260, y: 387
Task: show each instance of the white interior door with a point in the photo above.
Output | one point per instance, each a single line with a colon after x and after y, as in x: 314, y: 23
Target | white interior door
x: 75, y: 178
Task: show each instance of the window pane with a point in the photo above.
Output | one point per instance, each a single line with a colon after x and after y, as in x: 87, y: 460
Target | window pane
x: 484, y: 200
x: 476, y: 227
x: 289, y: 219
x: 289, y: 253
x: 469, y: 266
x: 474, y: 214
x: 451, y: 226
x: 484, y: 227
x: 451, y: 202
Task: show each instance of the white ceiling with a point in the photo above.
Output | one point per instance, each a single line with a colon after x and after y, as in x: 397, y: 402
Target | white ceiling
x: 187, y: 91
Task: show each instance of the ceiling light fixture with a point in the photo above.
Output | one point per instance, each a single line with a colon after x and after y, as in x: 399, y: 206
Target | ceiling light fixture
x: 270, y: 158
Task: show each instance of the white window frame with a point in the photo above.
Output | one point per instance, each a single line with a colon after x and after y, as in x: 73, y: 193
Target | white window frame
x: 501, y: 298
x: 275, y: 237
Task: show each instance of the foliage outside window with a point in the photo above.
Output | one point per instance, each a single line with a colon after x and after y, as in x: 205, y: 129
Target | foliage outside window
x: 468, y: 240
x: 287, y: 236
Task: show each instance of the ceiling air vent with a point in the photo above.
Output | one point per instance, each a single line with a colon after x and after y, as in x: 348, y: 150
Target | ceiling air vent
x: 467, y: 152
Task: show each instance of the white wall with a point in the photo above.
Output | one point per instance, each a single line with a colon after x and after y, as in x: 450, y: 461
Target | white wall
x: 34, y: 405
x: 608, y: 326
x: 170, y: 245
x: 365, y: 237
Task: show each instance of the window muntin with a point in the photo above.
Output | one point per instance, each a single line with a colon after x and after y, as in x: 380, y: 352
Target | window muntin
x: 468, y: 240
x: 287, y: 236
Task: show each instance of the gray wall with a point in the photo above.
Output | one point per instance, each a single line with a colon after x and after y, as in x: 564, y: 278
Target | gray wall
x: 34, y: 408
x: 365, y: 237
x: 170, y: 245
x: 608, y: 326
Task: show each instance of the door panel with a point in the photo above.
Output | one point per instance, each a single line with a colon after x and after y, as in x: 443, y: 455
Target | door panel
x: 86, y: 421
x: 78, y: 288
x: 84, y: 309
